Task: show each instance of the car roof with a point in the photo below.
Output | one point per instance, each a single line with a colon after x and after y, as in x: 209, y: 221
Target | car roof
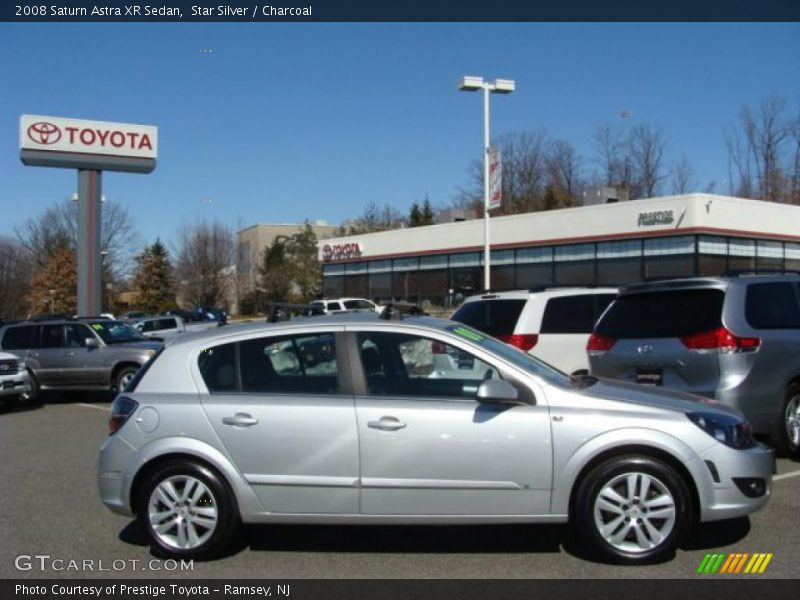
x: 550, y: 291
x: 343, y: 319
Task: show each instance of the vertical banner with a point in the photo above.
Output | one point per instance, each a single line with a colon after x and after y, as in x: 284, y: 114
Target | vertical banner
x: 495, y: 178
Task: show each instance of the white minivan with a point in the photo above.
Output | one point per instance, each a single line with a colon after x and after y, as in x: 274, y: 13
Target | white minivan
x: 552, y: 325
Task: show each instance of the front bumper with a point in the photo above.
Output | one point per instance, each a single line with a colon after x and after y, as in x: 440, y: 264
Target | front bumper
x: 14, y: 385
x: 721, y: 497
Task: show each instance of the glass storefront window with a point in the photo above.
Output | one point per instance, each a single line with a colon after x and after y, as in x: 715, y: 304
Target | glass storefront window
x: 535, y: 255
x: 380, y: 266
x: 668, y: 246
x: 574, y: 252
x: 433, y: 262
x: 405, y: 264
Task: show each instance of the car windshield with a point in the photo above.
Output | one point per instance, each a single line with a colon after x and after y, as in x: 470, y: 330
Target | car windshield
x: 515, y: 356
x: 116, y: 332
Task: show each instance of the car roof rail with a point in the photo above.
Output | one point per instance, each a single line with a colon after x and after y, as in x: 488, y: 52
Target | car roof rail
x: 284, y: 311
x: 97, y: 317
x: 757, y: 272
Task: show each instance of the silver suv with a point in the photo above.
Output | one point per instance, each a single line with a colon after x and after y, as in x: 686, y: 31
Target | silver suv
x: 344, y: 419
x: 734, y: 339
x: 77, y: 354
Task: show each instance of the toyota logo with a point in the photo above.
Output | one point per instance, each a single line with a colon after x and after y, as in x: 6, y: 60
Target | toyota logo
x: 44, y: 133
x: 327, y: 252
x: 645, y: 349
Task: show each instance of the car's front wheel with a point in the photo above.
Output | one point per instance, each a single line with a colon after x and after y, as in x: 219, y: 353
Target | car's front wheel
x: 32, y: 395
x: 187, y: 511
x: 633, y: 509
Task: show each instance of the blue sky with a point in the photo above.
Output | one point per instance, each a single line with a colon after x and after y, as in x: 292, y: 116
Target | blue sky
x: 283, y: 122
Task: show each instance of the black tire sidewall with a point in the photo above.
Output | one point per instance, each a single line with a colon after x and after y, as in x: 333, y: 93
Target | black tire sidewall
x: 33, y: 393
x: 120, y: 374
x: 782, y: 438
x: 599, y: 476
x: 227, y: 512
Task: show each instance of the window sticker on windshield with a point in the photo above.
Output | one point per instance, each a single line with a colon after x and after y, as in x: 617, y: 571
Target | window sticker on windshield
x: 471, y: 335
x: 97, y: 327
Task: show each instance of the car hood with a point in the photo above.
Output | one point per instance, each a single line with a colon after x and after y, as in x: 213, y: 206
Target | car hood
x: 657, y: 397
x: 143, y: 345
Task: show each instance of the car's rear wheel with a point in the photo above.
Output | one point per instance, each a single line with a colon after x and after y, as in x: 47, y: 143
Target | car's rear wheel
x: 187, y: 511
x: 633, y: 509
x: 788, y: 438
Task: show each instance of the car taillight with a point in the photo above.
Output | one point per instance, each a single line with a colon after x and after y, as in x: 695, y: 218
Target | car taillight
x: 597, y: 344
x: 720, y: 339
x: 523, y: 341
x: 121, y: 410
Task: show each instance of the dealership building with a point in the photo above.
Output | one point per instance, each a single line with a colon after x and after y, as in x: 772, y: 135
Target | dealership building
x: 616, y: 243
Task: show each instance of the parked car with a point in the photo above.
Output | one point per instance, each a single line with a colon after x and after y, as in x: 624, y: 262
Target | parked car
x: 161, y: 328
x: 339, y: 419
x: 734, y: 339
x: 132, y: 316
x: 551, y: 324
x: 77, y: 354
x: 14, y: 381
x: 338, y: 305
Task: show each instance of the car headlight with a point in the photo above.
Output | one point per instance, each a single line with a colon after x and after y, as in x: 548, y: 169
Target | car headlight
x: 727, y: 429
x: 149, y: 353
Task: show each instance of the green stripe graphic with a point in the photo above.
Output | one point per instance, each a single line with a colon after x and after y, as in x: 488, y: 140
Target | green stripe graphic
x: 702, y: 566
x: 718, y: 564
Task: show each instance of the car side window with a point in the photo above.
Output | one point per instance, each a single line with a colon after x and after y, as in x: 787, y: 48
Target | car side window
x: 18, y: 338
x: 297, y: 364
x: 772, y: 306
x: 398, y: 364
x: 334, y: 306
x: 77, y: 334
x: 218, y: 368
x: 52, y: 336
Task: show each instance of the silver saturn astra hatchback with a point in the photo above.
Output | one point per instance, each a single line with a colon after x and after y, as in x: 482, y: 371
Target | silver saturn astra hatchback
x: 355, y: 419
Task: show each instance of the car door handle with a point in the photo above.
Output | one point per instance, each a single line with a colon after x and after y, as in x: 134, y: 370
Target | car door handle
x: 240, y: 420
x: 386, y: 424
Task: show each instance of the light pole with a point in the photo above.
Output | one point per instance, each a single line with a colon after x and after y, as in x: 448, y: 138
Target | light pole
x: 498, y: 86
x: 52, y: 302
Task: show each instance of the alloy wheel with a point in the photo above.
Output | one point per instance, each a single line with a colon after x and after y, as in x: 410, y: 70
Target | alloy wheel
x: 182, y: 512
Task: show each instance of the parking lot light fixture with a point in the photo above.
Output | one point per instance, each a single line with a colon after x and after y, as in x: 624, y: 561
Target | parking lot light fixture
x: 471, y: 83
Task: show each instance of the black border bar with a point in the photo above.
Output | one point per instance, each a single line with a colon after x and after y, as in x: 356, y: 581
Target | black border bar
x: 402, y: 10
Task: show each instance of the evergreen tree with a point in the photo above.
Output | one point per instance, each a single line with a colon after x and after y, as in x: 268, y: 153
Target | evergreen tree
x: 306, y: 269
x: 153, y: 279
x: 415, y: 215
x: 427, y: 217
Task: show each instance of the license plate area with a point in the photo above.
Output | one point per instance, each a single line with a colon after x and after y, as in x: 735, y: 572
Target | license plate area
x: 650, y: 376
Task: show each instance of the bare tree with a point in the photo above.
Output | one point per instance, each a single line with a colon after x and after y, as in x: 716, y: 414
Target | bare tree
x: 762, y: 147
x: 373, y: 218
x: 563, y: 169
x: 647, y: 148
x: 683, y: 177
x: 58, y: 226
x: 610, y: 146
x: 15, y: 270
x: 204, y: 252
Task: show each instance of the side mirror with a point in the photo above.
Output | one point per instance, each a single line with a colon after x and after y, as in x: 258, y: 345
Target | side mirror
x: 497, y: 391
x: 92, y: 343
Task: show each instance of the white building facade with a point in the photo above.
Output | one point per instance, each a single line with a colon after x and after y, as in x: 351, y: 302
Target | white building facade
x: 607, y: 244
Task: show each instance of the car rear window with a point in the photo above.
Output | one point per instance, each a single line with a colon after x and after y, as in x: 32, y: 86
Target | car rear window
x: 772, y: 306
x: 495, y: 317
x: 574, y: 314
x: 662, y: 314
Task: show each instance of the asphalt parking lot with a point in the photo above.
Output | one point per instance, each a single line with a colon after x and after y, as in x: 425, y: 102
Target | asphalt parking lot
x: 50, y: 507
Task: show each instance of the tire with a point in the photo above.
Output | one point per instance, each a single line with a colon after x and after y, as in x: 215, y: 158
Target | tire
x: 613, y: 519
x: 123, y: 377
x: 32, y: 396
x: 202, y: 526
x: 787, y: 439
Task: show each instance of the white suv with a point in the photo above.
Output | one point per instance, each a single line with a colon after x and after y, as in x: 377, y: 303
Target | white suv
x: 339, y: 305
x: 552, y: 325
x: 14, y: 381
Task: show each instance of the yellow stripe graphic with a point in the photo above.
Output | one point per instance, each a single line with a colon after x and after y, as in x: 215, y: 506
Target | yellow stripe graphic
x: 766, y: 562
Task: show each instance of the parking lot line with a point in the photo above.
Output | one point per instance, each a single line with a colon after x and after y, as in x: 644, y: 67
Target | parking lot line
x: 92, y: 406
x: 786, y: 475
